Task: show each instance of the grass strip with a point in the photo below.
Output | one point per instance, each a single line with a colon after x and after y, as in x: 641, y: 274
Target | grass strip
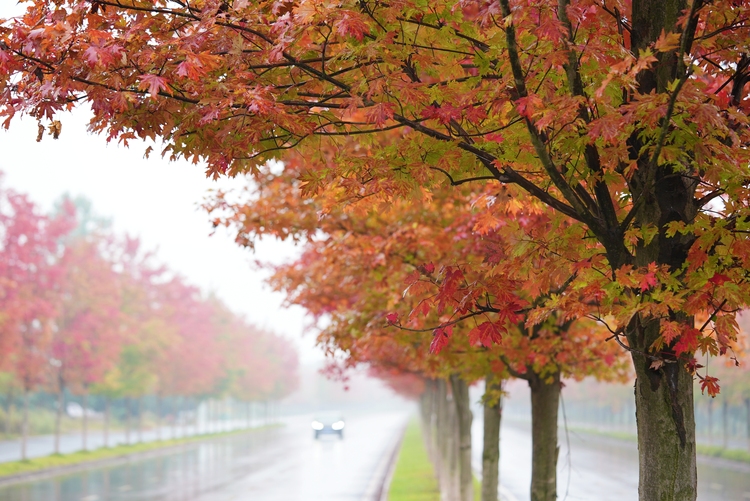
x: 721, y: 452
x: 414, y: 477
x: 714, y: 451
x: 74, y: 458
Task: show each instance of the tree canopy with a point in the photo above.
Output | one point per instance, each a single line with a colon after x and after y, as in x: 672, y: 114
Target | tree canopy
x: 627, y: 118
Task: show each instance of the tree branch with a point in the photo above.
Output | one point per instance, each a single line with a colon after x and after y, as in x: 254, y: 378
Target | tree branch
x: 579, y: 206
x: 462, y: 181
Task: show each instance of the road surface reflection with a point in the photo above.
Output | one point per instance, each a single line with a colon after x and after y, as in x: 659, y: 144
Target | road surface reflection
x: 275, y: 465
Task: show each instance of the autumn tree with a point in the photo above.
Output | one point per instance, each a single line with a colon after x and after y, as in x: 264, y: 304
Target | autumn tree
x: 87, y: 336
x: 627, y: 116
x: 468, y: 266
x: 30, y: 278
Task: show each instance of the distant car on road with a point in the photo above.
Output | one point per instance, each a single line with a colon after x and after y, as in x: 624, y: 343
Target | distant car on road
x: 328, y: 423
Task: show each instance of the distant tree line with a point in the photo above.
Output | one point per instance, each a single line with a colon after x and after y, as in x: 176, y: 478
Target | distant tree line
x: 89, y: 312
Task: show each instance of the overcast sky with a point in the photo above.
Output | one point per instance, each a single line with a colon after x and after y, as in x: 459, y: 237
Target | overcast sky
x: 155, y: 200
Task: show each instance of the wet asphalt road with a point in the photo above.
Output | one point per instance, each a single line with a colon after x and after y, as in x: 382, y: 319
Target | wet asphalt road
x: 600, y: 468
x: 287, y: 464
x: 283, y: 464
x: 43, y: 445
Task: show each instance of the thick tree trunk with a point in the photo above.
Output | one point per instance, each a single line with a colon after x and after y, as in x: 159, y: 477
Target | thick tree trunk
x: 491, y: 446
x: 545, y: 399
x: 663, y: 396
x: 85, y: 420
x: 440, y: 434
x: 58, y: 416
x: 666, y: 432
x: 427, y: 413
x: 443, y: 440
x: 24, y: 422
x: 463, y: 418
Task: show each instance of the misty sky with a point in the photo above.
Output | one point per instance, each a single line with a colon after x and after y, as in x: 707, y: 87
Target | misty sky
x: 155, y: 200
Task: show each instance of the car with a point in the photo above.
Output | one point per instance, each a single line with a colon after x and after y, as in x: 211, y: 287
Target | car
x: 328, y: 423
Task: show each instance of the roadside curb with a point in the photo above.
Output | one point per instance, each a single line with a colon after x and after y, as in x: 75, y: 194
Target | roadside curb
x: 380, y: 482
x: 54, y: 471
x: 385, y: 487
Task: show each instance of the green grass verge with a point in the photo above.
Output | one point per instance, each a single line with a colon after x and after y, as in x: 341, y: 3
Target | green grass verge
x: 414, y: 476
x: 58, y: 460
x: 705, y: 450
x: 720, y: 452
x: 622, y: 435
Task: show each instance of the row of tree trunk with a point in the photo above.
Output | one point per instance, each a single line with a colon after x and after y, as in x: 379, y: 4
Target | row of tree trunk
x: 267, y: 412
x: 445, y: 412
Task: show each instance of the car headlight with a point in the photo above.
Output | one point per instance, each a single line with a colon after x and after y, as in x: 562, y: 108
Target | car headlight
x: 317, y: 425
x: 338, y: 425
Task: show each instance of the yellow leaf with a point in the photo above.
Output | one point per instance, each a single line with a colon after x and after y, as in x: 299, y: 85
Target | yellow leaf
x: 667, y: 42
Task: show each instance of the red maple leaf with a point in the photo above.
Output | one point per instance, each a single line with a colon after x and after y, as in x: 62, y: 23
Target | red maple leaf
x: 485, y: 334
x: 351, y: 24
x: 688, y: 342
x: 154, y: 84
x: 392, y: 318
x: 648, y: 281
x: 670, y: 331
x: 380, y: 113
x: 711, y: 384
x: 719, y: 279
x: 440, y: 338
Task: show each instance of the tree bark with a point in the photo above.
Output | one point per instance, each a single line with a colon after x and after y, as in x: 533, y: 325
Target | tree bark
x: 666, y: 432
x: 427, y: 414
x: 491, y: 446
x: 24, y: 422
x: 545, y: 399
x: 463, y: 417
x: 665, y: 415
x: 443, y: 441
